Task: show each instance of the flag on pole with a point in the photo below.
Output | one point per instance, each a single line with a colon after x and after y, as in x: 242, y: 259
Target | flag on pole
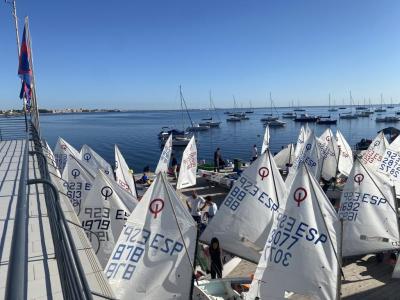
x: 25, y: 68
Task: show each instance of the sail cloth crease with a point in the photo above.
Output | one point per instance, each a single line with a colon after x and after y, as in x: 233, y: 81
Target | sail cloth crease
x: 149, y: 260
x: 188, y: 168
x: 367, y: 206
x: 104, y: 212
x: 165, y: 156
x: 123, y: 175
x: 244, y: 218
x: 61, y: 152
x: 300, y: 255
x: 92, y: 159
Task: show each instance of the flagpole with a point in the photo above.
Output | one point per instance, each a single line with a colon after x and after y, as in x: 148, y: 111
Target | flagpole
x: 14, y: 13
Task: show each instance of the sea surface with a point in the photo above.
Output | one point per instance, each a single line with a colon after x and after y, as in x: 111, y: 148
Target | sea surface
x: 136, y: 133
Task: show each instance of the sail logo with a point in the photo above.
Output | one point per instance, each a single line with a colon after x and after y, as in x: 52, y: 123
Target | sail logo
x: 299, y: 195
x: 358, y: 178
x: 75, y: 173
x: 191, y: 162
x: 156, y: 206
x: 106, y: 191
x: 87, y: 156
x: 64, y: 147
x: 263, y: 172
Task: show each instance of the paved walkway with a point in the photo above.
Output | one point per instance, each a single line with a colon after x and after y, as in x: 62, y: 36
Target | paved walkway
x: 42, y: 269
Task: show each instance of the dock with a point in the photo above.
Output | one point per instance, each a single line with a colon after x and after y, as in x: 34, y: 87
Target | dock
x: 44, y: 253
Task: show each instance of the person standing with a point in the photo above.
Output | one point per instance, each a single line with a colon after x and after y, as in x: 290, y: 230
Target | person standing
x: 211, y: 209
x: 217, y: 159
x: 195, y: 205
x: 216, y: 261
x: 255, y: 153
x: 174, y: 165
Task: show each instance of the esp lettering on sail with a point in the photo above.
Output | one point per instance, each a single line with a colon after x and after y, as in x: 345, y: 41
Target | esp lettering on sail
x: 245, y: 216
x: 302, y: 252
x: 153, y: 258
x: 368, y: 210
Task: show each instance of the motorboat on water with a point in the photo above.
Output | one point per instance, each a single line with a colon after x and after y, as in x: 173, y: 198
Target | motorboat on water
x: 387, y: 119
x: 380, y: 109
x: 275, y: 123
x: 304, y: 118
x: 179, y: 137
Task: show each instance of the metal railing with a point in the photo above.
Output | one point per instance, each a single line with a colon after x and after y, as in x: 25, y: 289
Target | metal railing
x: 72, y: 276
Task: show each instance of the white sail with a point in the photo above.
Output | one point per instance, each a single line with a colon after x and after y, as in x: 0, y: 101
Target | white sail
x: 163, y: 163
x: 395, y: 145
x: 123, y: 175
x: 95, y: 161
x: 188, y: 168
x: 372, y: 157
x: 302, y: 253
x: 78, y: 181
x: 243, y: 220
x: 367, y: 207
x: 150, y: 260
x: 300, y: 141
x: 329, y: 154
x: 346, y: 155
x: 285, y: 157
x: 50, y: 155
x: 104, y: 212
x: 309, y: 154
x: 265, y: 144
x: 61, y: 152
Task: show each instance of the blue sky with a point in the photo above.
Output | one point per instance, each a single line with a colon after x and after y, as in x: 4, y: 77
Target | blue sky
x: 134, y: 54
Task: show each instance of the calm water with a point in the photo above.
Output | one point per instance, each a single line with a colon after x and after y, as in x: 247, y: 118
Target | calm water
x: 136, y: 132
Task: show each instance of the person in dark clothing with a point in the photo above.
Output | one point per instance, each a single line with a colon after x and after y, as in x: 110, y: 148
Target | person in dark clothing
x: 216, y: 261
x: 217, y: 159
x: 174, y: 165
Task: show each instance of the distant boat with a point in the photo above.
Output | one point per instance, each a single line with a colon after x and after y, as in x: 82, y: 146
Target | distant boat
x: 270, y: 116
x: 330, y: 107
x: 299, y: 109
x: 233, y: 119
x: 275, y: 123
x: 304, y: 118
x: 387, y: 119
x: 194, y: 127
x: 326, y: 121
x: 348, y: 116
x: 209, y: 121
x: 289, y: 115
x: 380, y: 109
x: 342, y: 107
x: 361, y: 108
x: 251, y: 111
